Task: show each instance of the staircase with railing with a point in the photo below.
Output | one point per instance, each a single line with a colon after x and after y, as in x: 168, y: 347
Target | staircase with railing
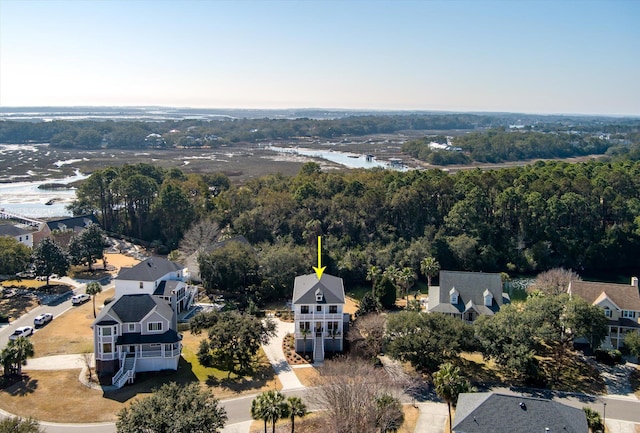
x: 127, y: 372
x: 318, y: 349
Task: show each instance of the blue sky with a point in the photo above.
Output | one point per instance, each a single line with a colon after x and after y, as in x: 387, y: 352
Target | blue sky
x: 523, y: 56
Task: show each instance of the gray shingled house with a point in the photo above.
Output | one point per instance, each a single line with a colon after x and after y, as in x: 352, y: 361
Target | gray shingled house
x: 137, y: 332
x: 320, y: 322
x: 467, y: 295
x: 487, y: 412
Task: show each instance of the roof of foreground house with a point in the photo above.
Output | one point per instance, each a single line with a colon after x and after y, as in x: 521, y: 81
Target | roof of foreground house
x: 132, y: 309
x: 625, y: 296
x: 487, y: 412
x: 305, y: 287
x: 151, y: 269
x: 471, y: 287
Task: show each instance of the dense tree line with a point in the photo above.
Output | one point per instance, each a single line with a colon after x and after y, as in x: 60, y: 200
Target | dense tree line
x: 195, y: 133
x: 499, y: 145
x: 523, y: 219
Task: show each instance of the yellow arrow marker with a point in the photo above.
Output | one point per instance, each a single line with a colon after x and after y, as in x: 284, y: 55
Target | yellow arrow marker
x: 320, y: 269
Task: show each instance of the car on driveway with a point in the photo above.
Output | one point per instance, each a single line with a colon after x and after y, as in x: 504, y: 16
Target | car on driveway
x: 80, y: 299
x: 43, y: 319
x: 23, y: 331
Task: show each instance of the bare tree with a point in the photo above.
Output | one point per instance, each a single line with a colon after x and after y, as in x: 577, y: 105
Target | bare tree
x: 87, y: 357
x: 367, y: 335
x: 199, y: 236
x: 554, y: 281
x: 348, y: 390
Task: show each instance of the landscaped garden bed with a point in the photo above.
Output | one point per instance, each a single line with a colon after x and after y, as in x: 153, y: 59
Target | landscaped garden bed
x: 293, y: 357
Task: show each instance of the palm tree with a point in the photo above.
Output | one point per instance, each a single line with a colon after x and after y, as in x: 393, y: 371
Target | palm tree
x: 406, y: 279
x: 274, y: 407
x: 373, y: 274
x: 429, y: 268
x: 93, y: 288
x: 257, y: 410
x: 449, y: 384
x: 296, y: 409
x: 17, y: 352
x: 393, y: 274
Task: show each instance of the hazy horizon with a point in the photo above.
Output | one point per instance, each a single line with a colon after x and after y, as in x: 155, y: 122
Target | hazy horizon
x: 528, y: 57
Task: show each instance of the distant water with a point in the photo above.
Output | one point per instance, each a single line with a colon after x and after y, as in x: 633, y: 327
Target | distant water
x: 25, y: 198
x: 348, y: 159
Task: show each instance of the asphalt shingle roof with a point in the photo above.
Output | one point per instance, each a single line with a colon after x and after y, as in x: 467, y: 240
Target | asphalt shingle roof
x: 11, y: 230
x: 165, y: 288
x: 625, y: 296
x: 487, y: 412
x: 470, y: 287
x: 74, y: 223
x: 133, y: 308
x: 305, y: 286
x: 170, y: 336
x: 151, y: 269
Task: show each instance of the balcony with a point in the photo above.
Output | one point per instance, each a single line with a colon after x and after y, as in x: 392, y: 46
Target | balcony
x: 335, y: 317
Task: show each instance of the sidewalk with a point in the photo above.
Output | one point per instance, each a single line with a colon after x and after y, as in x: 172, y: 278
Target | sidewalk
x: 432, y: 417
x: 274, y: 352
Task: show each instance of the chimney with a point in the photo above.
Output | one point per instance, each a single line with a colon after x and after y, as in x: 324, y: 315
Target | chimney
x: 634, y: 281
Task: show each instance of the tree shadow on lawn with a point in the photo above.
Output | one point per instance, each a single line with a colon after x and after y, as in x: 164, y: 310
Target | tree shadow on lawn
x: 260, y: 376
x: 146, y: 383
x: 19, y: 386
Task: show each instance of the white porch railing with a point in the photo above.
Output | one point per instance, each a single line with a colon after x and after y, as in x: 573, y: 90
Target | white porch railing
x: 333, y: 317
x: 126, y: 373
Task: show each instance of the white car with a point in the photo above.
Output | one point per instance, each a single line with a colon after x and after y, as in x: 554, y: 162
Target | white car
x: 43, y: 319
x: 23, y: 331
x: 80, y: 299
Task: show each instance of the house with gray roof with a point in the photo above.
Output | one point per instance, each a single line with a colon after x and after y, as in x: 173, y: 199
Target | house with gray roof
x: 487, y: 412
x: 467, y: 295
x: 320, y: 322
x: 137, y: 332
x: 64, y: 229
x: 620, y: 304
x: 20, y: 234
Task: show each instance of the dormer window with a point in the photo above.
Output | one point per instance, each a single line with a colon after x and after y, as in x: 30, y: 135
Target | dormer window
x: 453, y: 295
x: 488, y: 298
x: 319, y: 295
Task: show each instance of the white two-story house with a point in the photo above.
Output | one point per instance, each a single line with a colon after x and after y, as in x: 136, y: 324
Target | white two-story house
x: 619, y: 302
x: 320, y: 322
x: 137, y: 332
x: 20, y: 234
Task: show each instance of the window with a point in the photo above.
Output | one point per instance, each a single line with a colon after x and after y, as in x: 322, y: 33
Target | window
x: 107, y: 348
x: 141, y: 284
x: 607, y: 312
x: 331, y: 326
x: 304, y: 326
x: 319, y: 308
x: 453, y: 295
x: 132, y: 327
x: 628, y: 314
x: 27, y: 237
x: 304, y: 309
x: 333, y: 309
x: 20, y: 238
x: 106, y: 331
x: 155, y: 326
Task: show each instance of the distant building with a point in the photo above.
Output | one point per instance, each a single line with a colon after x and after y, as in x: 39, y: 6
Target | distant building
x: 320, y: 322
x: 23, y: 236
x: 62, y: 230
x: 467, y: 295
x: 487, y: 412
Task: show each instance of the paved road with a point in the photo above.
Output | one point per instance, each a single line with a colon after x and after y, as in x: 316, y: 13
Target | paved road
x: 63, y: 304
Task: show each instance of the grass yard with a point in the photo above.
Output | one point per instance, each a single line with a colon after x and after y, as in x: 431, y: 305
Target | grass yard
x: 562, y: 371
x: 226, y: 387
x: 57, y: 396
x: 71, y: 332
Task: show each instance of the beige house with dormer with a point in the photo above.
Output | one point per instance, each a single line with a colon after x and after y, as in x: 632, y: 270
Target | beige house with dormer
x: 619, y: 302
